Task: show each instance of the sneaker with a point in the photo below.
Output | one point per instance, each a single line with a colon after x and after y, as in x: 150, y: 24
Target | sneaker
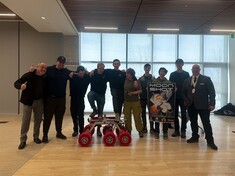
x: 152, y: 131
x: 165, y: 135
x: 99, y: 134
x: 183, y: 135
x: 212, y: 146
x: 61, y: 136
x: 176, y: 134
x: 117, y: 117
x: 37, y: 141
x: 170, y: 126
x: 145, y: 130
x: 141, y: 134
x: 74, y: 134
x: 157, y: 135
x: 22, y: 145
x: 192, y: 140
x: 45, y: 139
x: 92, y: 115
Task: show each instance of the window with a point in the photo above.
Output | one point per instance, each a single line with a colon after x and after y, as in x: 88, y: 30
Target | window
x: 159, y: 50
x: 164, y: 48
x: 215, y: 48
x: 189, y: 48
x: 139, y: 47
x: 114, y: 47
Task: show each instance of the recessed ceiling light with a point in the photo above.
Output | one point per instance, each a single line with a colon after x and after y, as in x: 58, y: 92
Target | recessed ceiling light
x: 222, y: 30
x: 100, y: 28
x: 43, y: 18
x: 162, y: 29
x: 7, y: 14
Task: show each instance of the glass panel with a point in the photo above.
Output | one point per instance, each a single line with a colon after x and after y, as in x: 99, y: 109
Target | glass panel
x: 189, y: 47
x: 89, y: 66
x: 214, y: 48
x: 139, y: 47
x: 164, y: 48
x: 90, y: 47
x: 220, y: 83
x: 113, y: 47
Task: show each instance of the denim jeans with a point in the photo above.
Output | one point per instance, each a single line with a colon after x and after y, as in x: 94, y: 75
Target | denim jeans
x: 100, y: 100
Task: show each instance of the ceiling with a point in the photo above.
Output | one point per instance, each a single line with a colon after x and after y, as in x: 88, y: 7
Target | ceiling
x: 130, y: 16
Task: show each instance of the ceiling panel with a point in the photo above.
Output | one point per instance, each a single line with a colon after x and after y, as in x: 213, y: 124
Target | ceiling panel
x: 134, y: 16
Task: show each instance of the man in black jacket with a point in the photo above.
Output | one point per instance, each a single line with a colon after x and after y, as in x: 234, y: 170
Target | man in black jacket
x: 78, y: 87
x: 57, y: 76
x: 199, y: 96
x: 32, y: 85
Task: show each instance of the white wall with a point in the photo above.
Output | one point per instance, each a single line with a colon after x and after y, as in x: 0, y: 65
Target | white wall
x: 21, y: 46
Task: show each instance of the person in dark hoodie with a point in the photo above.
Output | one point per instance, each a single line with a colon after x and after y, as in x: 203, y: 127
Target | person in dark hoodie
x: 78, y: 87
x: 32, y: 85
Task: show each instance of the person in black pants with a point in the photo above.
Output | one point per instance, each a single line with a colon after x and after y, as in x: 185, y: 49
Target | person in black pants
x: 57, y: 77
x: 144, y: 80
x: 116, y: 80
x: 178, y: 78
x: 199, y: 96
x: 78, y: 87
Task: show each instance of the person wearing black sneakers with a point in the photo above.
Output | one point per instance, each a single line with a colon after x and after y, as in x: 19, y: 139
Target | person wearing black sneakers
x: 144, y: 80
x: 78, y: 87
x: 161, y: 79
x: 97, y: 93
x: 178, y: 78
x: 57, y: 77
x: 33, y: 88
x: 199, y: 96
x: 116, y: 78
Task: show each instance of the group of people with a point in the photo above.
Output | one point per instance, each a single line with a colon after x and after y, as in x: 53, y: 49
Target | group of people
x: 44, y: 92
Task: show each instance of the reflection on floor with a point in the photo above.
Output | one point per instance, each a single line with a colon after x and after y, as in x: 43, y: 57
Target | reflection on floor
x: 146, y: 156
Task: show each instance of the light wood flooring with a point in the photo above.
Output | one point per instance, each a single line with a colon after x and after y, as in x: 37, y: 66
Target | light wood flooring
x: 144, y: 157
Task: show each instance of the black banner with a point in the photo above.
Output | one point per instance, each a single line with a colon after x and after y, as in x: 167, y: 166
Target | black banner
x: 161, y: 102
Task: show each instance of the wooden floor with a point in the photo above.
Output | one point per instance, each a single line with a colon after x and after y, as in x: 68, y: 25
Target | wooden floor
x: 145, y: 157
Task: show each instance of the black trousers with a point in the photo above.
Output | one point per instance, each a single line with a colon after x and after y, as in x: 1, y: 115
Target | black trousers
x: 205, y: 118
x: 143, y: 114
x: 53, y: 106
x: 180, y: 103
x: 118, y: 99
x: 164, y: 127
x: 77, y: 107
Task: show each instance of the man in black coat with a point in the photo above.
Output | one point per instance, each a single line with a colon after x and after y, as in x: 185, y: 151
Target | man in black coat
x: 199, y: 96
x: 32, y: 85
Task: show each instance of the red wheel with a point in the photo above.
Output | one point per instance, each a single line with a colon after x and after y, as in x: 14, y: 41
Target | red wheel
x: 84, y: 139
x: 88, y: 129
x: 122, y: 129
x: 109, y: 139
x: 124, y: 138
x: 106, y: 129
